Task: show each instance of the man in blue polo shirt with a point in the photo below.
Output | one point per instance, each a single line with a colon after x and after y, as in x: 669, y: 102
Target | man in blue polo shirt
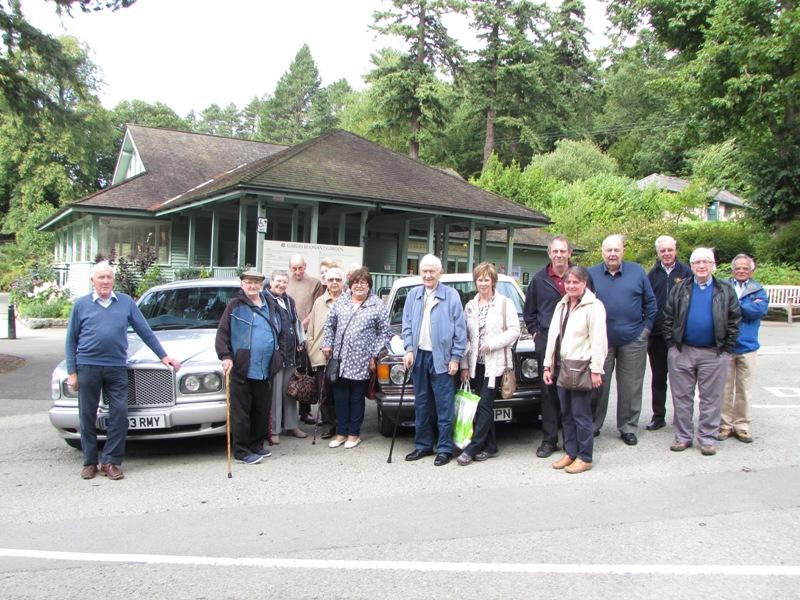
x: 625, y: 291
x: 701, y: 326
x: 97, y: 356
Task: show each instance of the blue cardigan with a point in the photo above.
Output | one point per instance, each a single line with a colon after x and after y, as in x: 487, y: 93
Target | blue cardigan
x: 99, y: 336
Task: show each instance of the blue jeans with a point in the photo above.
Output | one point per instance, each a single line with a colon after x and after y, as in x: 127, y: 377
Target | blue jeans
x: 348, y: 397
x: 433, y: 392
x: 113, y: 383
x: 576, y: 422
x: 483, y: 434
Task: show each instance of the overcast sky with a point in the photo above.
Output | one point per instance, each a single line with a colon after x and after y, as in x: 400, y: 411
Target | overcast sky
x: 192, y: 53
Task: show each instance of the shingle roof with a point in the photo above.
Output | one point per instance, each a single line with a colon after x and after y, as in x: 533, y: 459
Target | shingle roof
x: 344, y: 165
x: 676, y: 184
x: 530, y: 236
x: 176, y: 161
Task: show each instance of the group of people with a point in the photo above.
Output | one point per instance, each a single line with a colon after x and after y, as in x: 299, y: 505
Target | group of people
x: 698, y: 331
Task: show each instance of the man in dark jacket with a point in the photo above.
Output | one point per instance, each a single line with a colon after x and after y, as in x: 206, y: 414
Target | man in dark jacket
x: 245, y: 343
x: 701, y: 325
x: 663, y: 276
x: 545, y: 291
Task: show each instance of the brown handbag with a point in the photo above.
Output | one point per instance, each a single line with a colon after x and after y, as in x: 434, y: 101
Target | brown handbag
x: 302, y: 388
x: 574, y: 374
x: 508, y: 383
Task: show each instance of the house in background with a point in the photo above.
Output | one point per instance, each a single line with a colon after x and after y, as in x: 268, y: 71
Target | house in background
x: 723, y: 206
x: 197, y: 200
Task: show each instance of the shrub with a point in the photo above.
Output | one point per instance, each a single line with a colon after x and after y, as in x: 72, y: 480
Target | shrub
x: 150, y: 279
x: 192, y: 273
x: 45, y: 300
x: 573, y: 161
x: 783, y: 246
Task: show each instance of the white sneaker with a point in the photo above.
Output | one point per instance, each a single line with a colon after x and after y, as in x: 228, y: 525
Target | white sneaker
x: 335, y: 443
x: 348, y: 444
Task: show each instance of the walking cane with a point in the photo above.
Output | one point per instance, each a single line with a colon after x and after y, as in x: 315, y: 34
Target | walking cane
x: 228, y: 418
x: 397, y: 419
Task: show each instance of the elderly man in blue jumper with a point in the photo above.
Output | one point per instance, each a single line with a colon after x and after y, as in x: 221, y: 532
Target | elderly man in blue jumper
x: 631, y: 310
x: 435, y: 339
x: 701, y: 324
x: 97, y: 358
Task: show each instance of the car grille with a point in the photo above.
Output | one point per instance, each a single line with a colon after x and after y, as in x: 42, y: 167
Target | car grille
x: 151, y: 387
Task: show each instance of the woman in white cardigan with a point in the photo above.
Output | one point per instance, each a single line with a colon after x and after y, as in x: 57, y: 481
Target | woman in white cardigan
x: 578, y: 330
x: 492, y: 329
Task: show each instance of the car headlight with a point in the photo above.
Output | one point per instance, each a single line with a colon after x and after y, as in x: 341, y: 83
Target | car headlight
x: 397, y: 374
x: 66, y: 391
x: 200, y: 383
x: 530, y: 368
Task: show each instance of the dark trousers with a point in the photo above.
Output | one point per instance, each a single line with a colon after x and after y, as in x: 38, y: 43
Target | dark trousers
x: 483, y: 434
x: 577, y: 423
x: 113, y: 383
x: 434, y: 405
x: 551, y: 408
x: 348, y: 395
x: 251, y: 401
x: 657, y: 352
x: 327, y: 408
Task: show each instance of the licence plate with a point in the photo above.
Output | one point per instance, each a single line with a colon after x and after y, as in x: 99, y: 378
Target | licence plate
x: 147, y: 422
x: 503, y: 414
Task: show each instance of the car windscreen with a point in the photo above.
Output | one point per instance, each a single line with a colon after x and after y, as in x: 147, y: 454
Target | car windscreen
x: 465, y: 289
x: 185, y: 308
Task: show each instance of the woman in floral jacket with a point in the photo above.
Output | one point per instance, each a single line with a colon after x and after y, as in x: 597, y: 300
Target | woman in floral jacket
x: 356, y: 331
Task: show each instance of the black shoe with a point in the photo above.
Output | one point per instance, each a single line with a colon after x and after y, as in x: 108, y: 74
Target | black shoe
x: 417, y: 454
x: 596, y: 433
x: 629, y: 438
x: 546, y: 449
x: 656, y: 423
x: 326, y: 434
x: 442, y: 459
x: 307, y: 419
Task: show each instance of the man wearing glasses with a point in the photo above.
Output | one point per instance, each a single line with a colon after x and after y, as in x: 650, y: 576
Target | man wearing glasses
x: 701, y: 325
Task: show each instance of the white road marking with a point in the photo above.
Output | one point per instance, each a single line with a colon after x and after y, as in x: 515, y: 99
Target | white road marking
x: 784, y: 392
x: 393, y: 565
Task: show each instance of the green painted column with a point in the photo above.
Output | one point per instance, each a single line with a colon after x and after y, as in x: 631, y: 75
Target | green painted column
x: 313, y: 230
x: 242, y: 247
x: 509, y: 250
x: 262, y: 214
x: 192, y: 243
x: 215, y: 233
x: 471, y: 247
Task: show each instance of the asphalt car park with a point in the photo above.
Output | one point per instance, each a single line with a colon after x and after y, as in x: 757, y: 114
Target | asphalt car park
x: 312, y: 522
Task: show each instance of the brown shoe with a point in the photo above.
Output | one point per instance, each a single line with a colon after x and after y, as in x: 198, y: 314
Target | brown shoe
x: 88, y: 471
x: 563, y: 462
x: 679, y: 446
x: 274, y: 440
x: 708, y: 450
x: 724, y: 434
x: 113, y: 472
x: 578, y: 466
x: 299, y: 433
x: 743, y: 436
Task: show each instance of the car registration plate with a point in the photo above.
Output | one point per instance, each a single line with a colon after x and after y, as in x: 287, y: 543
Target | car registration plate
x: 147, y: 422
x: 503, y: 414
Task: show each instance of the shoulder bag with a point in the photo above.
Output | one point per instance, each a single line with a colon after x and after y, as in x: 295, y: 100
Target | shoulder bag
x: 508, y: 383
x: 573, y: 374
x: 334, y: 364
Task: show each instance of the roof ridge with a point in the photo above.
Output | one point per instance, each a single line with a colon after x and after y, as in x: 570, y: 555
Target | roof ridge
x: 211, y: 135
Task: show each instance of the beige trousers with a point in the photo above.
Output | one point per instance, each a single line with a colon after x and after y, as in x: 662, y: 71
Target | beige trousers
x: 737, y: 397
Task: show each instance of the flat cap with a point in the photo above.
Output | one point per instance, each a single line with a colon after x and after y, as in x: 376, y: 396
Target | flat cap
x: 252, y: 273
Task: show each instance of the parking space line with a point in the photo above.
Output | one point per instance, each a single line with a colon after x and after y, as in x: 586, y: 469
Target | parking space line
x: 391, y: 565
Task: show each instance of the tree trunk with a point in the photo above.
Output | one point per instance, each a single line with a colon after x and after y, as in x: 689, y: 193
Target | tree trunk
x: 413, y: 141
x: 488, y: 145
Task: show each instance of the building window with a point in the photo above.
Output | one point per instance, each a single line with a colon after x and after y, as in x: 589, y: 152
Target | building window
x: 132, y: 237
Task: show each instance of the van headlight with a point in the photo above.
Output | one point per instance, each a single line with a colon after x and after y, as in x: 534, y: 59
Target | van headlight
x: 200, y: 383
x: 397, y: 374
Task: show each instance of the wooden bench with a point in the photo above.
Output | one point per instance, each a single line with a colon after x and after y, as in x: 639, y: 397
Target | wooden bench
x: 785, y: 297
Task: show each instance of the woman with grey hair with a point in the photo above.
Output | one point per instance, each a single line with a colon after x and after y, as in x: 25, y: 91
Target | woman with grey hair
x: 290, y: 343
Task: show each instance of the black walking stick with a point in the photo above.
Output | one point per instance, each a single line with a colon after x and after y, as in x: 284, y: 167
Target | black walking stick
x: 228, y: 418
x: 397, y: 419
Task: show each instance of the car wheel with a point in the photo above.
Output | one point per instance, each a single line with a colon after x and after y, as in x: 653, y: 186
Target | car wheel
x: 385, y: 424
x: 74, y: 444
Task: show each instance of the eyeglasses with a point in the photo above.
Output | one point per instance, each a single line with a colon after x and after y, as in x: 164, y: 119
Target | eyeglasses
x: 333, y: 279
x: 355, y: 283
x: 702, y: 261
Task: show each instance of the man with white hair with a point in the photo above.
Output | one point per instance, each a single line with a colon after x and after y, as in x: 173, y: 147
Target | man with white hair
x: 435, y: 339
x: 701, y: 325
x: 631, y: 310
x: 736, y: 398
x: 96, y: 350
x: 304, y: 290
x: 667, y: 271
